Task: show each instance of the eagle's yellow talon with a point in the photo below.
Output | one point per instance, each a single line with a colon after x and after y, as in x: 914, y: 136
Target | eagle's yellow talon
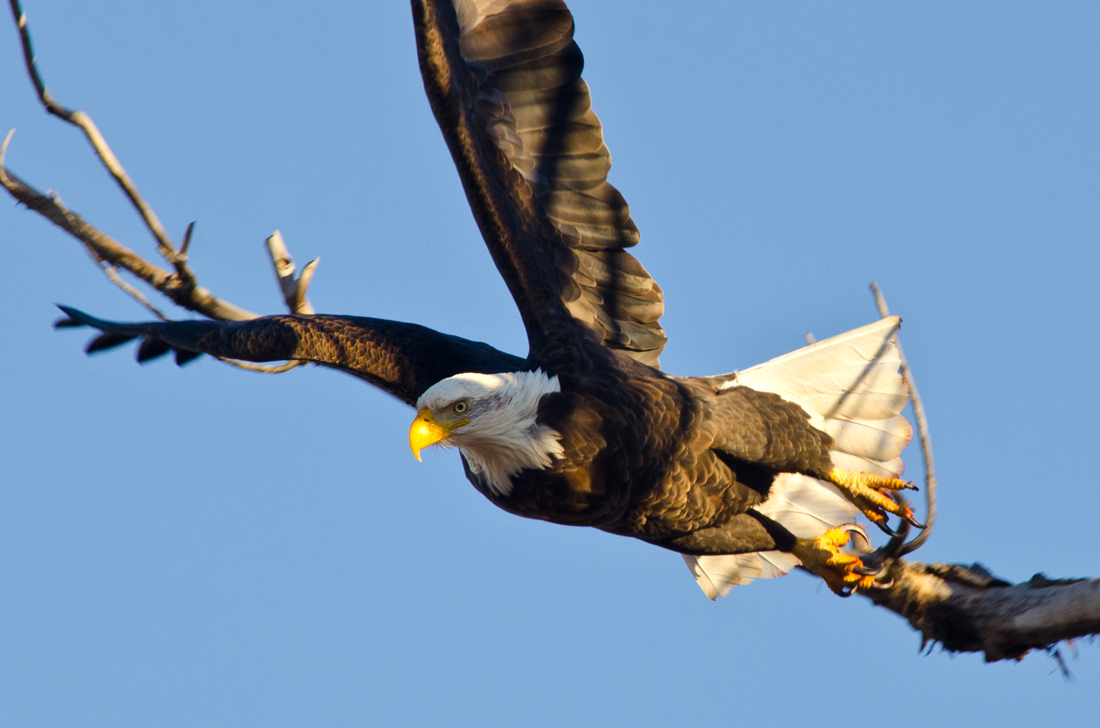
x: 822, y: 557
x: 873, y: 495
x: 853, y: 479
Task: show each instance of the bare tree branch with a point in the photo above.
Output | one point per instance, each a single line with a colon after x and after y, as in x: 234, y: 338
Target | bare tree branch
x: 967, y: 610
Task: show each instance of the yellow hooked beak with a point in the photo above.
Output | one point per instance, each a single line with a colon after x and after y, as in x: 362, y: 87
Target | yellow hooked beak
x: 426, y: 431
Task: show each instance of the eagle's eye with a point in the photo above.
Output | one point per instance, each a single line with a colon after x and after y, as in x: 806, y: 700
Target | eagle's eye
x: 461, y: 407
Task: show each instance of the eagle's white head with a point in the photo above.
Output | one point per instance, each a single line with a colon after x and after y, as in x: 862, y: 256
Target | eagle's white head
x: 491, y: 418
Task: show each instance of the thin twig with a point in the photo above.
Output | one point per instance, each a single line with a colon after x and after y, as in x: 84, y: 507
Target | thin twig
x: 930, y: 480
x: 4, y: 178
x: 112, y: 273
x: 109, y: 270
x: 187, y: 238
x: 263, y: 368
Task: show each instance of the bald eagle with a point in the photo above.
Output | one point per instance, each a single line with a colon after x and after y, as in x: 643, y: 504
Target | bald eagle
x: 747, y: 475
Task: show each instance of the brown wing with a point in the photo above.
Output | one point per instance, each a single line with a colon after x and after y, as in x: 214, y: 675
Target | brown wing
x: 402, y: 359
x: 504, y: 81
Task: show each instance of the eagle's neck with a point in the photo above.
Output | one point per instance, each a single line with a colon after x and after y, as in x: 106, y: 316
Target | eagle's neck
x: 506, y: 437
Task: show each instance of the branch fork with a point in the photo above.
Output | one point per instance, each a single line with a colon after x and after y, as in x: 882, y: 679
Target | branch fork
x: 293, y: 286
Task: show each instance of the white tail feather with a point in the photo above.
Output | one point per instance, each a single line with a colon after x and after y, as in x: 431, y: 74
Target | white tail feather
x: 879, y: 440
x: 718, y: 574
x: 851, y: 388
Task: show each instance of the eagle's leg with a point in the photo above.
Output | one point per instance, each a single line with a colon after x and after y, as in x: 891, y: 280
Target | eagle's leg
x: 842, y: 572
x: 872, y: 495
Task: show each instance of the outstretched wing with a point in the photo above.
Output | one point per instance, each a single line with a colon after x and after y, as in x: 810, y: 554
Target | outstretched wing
x: 402, y: 359
x: 504, y: 81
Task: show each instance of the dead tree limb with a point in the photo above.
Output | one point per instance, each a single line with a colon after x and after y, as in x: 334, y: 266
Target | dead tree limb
x: 965, y: 609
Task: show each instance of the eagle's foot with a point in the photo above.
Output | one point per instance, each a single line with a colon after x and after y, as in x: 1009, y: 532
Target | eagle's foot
x: 872, y: 494
x: 843, y: 572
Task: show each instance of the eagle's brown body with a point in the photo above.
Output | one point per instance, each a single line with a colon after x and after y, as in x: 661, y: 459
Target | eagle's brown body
x: 667, y: 460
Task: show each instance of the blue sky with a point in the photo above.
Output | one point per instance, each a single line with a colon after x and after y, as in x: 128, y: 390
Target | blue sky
x: 210, y: 547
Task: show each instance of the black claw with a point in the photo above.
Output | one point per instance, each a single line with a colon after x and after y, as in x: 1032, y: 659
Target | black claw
x: 854, y: 529
x: 875, y: 565
x: 865, y: 546
x: 866, y: 570
x: 913, y: 521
